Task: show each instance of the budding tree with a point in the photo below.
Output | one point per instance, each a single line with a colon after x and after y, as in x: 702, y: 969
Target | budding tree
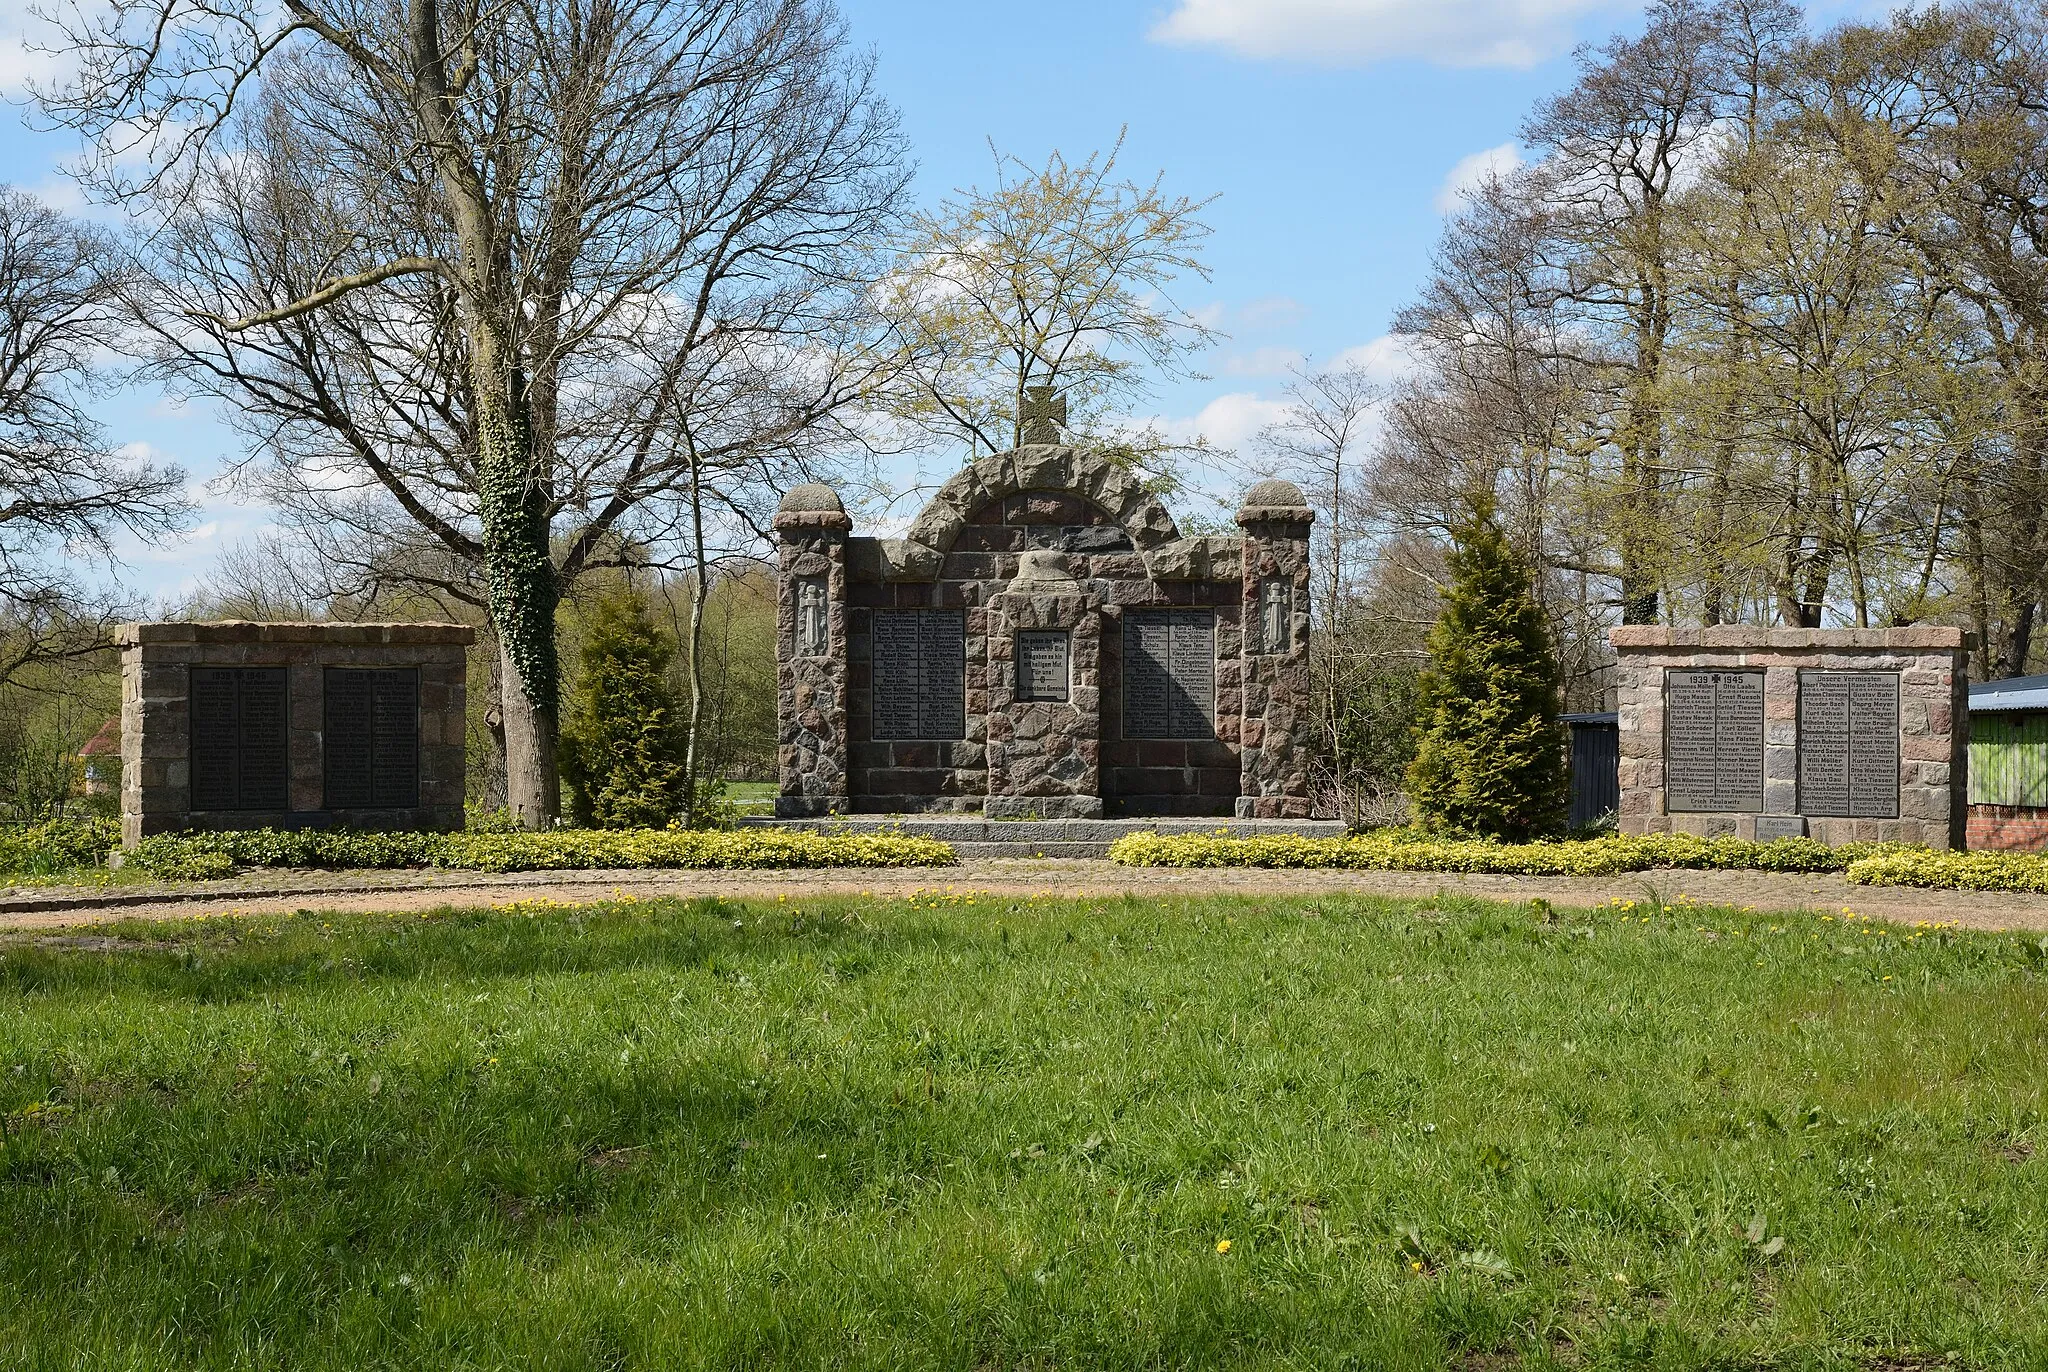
x: 1059, y: 276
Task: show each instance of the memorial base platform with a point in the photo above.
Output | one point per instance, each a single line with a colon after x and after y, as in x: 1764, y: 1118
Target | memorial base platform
x: 974, y: 837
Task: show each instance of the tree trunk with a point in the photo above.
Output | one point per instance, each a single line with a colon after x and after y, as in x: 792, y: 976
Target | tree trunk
x: 532, y: 783
x: 698, y: 594
x: 524, y: 593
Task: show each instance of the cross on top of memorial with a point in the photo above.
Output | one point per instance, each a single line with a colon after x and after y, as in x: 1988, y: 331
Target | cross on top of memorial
x: 1045, y: 413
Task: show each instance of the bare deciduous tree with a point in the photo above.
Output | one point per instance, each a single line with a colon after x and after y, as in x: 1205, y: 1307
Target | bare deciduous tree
x: 64, y: 493
x: 522, y: 273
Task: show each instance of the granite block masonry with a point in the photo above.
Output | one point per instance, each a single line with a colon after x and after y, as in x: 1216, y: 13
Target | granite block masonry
x: 238, y: 725
x: 1044, y: 643
x: 1838, y: 734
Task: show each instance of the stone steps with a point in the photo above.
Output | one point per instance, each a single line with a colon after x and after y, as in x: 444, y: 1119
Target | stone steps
x: 974, y: 837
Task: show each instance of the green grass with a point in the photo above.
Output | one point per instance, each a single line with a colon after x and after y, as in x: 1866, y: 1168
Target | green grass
x: 1008, y: 1134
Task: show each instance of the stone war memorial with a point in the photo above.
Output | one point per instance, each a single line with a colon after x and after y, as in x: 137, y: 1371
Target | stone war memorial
x: 239, y: 725
x: 1840, y: 735
x: 1043, y: 643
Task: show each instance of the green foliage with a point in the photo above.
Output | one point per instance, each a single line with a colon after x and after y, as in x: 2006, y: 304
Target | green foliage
x: 1988, y: 871
x: 863, y: 1135
x: 216, y: 852
x: 57, y: 845
x: 625, y: 741
x: 1490, y: 754
x: 1407, y: 850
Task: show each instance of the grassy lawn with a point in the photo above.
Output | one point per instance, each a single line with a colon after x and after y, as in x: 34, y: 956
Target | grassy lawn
x: 987, y: 1134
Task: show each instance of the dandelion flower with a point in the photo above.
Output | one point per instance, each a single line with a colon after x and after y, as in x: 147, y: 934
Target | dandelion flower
x: 1223, y: 1245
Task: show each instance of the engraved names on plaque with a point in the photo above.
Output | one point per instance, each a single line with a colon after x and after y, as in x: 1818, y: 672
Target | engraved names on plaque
x: 239, y: 746
x: 1042, y: 667
x: 371, y: 738
x: 1849, y: 744
x: 1713, y: 741
x: 920, y: 674
x: 1169, y: 674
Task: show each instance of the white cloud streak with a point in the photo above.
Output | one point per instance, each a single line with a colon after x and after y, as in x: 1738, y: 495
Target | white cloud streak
x: 1337, y: 33
x: 1473, y: 171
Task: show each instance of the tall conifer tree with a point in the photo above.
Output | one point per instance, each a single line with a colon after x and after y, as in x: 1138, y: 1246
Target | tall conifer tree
x: 1491, y: 752
x: 624, y: 745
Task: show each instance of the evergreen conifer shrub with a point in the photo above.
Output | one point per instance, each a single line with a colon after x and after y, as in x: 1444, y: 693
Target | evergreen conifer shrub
x: 1490, y: 755
x: 624, y: 743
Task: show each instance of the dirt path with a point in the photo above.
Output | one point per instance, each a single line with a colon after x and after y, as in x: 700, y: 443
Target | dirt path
x: 274, y: 892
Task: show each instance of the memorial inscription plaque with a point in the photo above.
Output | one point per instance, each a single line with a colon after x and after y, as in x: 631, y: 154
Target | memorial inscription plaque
x: 371, y: 738
x: 1169, y: 674
x: 1849, y: 744
x: 920, y: 674
x: 1042, y: 668
x: 240, y: 756
x: 1713, y: 741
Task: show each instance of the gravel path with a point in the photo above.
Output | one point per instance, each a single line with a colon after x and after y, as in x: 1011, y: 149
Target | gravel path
x: 279, y: 891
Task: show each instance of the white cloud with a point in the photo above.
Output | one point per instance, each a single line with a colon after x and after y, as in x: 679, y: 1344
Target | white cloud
x: 1261, y: 362
x: 1228, y: 421
x: 1473, y: 172
x: 1272, y: 312
x: 1452, y: 33
x: 1385, y: 359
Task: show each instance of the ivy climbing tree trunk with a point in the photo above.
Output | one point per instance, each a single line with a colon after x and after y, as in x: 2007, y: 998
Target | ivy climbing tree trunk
x: 524, y: 595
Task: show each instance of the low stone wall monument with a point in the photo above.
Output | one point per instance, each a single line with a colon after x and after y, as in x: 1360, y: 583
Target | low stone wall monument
x: 1837, y: 734
x: 239, y: 725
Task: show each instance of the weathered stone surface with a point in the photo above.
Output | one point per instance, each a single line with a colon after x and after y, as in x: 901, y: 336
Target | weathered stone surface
x: 1049, y: 539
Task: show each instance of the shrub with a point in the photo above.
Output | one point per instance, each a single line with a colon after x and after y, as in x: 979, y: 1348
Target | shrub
x: 57, y: 845
x: 1952, y: 871
x: 215, y: 853
x: 1399, y: 850
x: 1490, y: 756
x: 624, y: 743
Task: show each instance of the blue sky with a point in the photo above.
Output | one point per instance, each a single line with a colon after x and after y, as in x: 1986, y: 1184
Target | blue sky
x: 1331, y: 131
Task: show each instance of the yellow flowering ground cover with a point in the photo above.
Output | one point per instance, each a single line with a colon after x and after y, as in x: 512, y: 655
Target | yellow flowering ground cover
x: 1407, y: 851
x: 221, y: 852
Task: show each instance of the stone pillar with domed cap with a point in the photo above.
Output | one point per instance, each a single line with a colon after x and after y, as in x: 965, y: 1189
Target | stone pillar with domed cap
x: 1276, y: 721
x: 811, y: 526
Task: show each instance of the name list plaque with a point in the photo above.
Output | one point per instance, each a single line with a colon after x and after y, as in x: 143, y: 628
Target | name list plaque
x: 920, y: 674
x: 371, y: 738
x: 240, y: 750
x: 1849, y: 744
x: 1042, y: 668
x: 1713, y: 741
x: 1169, y: 674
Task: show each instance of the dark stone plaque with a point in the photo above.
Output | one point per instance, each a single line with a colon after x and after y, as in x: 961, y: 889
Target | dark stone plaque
x: 920, y: 674
x: 371, y: 738
x: 1770, y: 828
x: 1169, y: 674
x: 240, y: 756
x: 1042, y: 669
x: 1849, y: 744
x: 1713, y: 742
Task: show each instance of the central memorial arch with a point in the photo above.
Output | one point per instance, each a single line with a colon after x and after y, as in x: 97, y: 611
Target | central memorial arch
x: 1044, y: 643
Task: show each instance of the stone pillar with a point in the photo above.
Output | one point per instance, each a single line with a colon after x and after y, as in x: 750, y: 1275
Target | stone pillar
x: 1045, y: 754
x: 810, y: 653
x: 1278, y: 719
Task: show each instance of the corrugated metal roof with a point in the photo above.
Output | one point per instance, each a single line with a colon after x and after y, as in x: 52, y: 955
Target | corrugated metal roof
x: 2014, y: 693
x: 1610, y: 717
